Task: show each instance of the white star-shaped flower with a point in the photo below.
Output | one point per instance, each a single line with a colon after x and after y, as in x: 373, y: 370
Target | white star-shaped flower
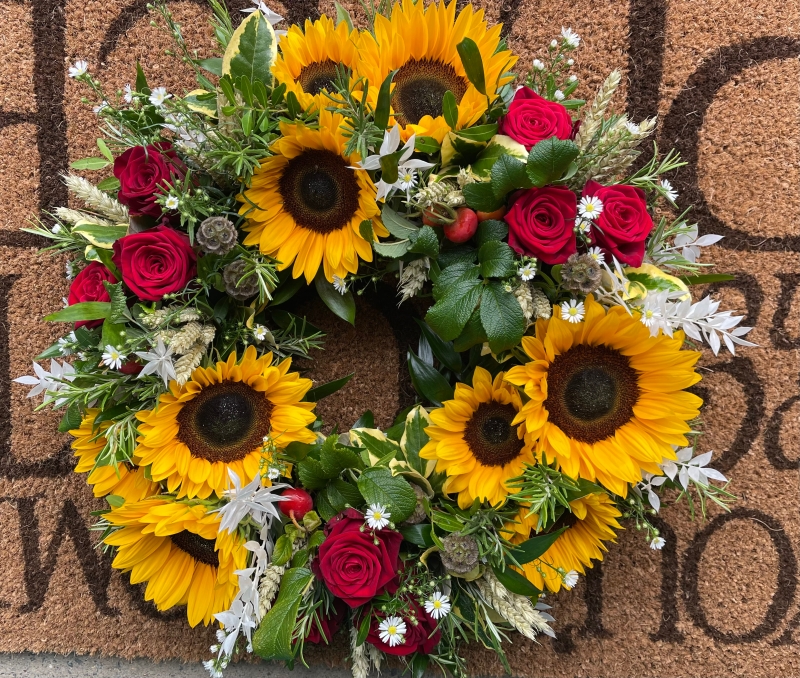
x: 158, y: 361
x: 570, y: 37
x: 159, y: 96
x: 572, y: 311
x: 438, y: 605
x: 590, y: 207
x: 271, y: 17
x: 392, y: 630
x: 377, y: 516
x: 78, y: 69
x: 112, y: 357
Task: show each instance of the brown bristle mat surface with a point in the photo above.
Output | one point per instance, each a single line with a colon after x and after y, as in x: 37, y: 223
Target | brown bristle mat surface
x: 722, y: 597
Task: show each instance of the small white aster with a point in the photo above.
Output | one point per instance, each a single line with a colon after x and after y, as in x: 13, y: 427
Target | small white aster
x: 572, y: 311
x: 112, y: 357
x: 570, y: 37
x: 572, y: 78
x: 650, y: 317
x: 128, y: 96
x: 632, y: 127
x: 158, y: 96
x: 339, y: 284
x: 377, y: 516
x: 571, y: 579
x: 558, y: 95
x: 172, y: 202
x: 590, y: 207
x: 538, y: 65
x: 581, y: 225
x: 526, y: 272
x: 78, y: 69
x: 260, y: 332
x: 407, y: 180
x: 658, y: 543
x: 392, y: 631
x: 70, y: 270
x: 597, y: 254
x: 438, y: 605
x: 669, y: 192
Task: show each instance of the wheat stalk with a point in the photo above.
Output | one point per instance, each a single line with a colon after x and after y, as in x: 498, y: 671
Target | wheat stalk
x: 594, y: 117
x: 96, y: 199
x: 358, y: 655
x: 517, y: 610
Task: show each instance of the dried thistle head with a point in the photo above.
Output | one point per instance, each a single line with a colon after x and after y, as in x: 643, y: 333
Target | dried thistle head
x: 581, y: 273
x: 459, y: 553
x: 216, y: 235
x: 234, y: 285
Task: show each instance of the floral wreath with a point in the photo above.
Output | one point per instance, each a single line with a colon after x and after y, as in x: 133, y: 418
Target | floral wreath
x: 553, y: 368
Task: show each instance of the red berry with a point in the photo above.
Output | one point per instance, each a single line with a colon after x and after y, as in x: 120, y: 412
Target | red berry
x: 464, y: 227
x: 296, y: 504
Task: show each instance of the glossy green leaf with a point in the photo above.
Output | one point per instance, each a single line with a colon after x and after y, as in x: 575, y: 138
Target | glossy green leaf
x: 71, y: 419
x: 101, y: 144
x: 457, y: 291
x: 515, y: 582
x: 428, y: 381
x: 273, y: 638
x: 427, y: 145
x: 707, y: 278
x: 442, y: 350
x: 283, y: 551
x: 397, y: 225
x: 109, y: 184
x: 473, y: 63
x: 337, y: 458
x: 212, y: 65
x: 85, y: 310
x: 100, y: 236
x: 535, y: 547
x: 343, y: 305
x: 481, y: 197
x: 501, y: 317
x: 393, y: 250
x: 419, y: 535
x: 489, y: 230
x: 425, y: 242
x: 384, y: 103
x: 378, y: 486
x: 252, y: 50
x: 508, y: 174
x: 450, y: 109
x: 343, y: 16
x: 329, y: 388
x: 497, y: 260
x: 90, y: 164
x: 549, y: 159
x: 472, y: 334
x: 141, y: 80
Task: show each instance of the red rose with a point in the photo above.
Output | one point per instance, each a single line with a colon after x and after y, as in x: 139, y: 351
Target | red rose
x: 531, y: 119
x: 142, y: 173
x: 541, y: 223
x: 330, y: 624
x: 155, y: 262
x: 88, y: 286
x: 419, y: 637
x: 356, y: 566
x: 624, y: 224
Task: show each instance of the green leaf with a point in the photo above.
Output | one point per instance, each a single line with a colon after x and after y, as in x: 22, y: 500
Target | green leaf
x: 481, y: 197
x: 316, y: 539
x: 535, y: 547
x: 419, y: 535
x: 115, y: 501
x: 100, y: 236
x: 501, y: 317
x: 457, y: 292
x: 141, y: 80
x: 296, y: 451
x: 443, y: 350
x: 497, y: 260
x: 343, y: 16
x: 300, y: 558
x: 336, y: 459
x: 419, y: 664
x: 397, y: 225
x: 384, y: 103
x: 365, y: 230
x: 285, y: 291
x: 366, y: 420
x: 378, y: 486
x: 479, y: 133
x: 273, y: 638
x: 101, y: 144
x: 427, y: 145
x: 707, y: 278
x: 515, y: 582
x: 213, y: 65
x: 414, y: 439
x: 324, y: 507
x: 389, y: 164
x: 460, y: 254
x: 311, y: 474
x: 472, y: 334
x: 450, y: 109
x: 508, y: 174
x: 283, y: 551
x: 426, y: 242
x: 85, y: 310
x: 71, y: 419
x: 90, y: 164
x: 343, y: 305
x: 428, y: 381
x: 363, y: 630
x: 112, y: 333
x: 379, y: 448
x: 447, y: 522
x: 324, y: 390
x: 473, y: 63
x: 349, y: 492
x: 393, y: 250
x: 109, y: 184
x: 251, y: 51
x: 490, y: 230
x: 549, y: 159
x: 119, y: 303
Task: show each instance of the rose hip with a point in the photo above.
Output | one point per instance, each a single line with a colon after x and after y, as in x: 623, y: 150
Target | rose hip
x: 464, y: 227
x: 296, y: 503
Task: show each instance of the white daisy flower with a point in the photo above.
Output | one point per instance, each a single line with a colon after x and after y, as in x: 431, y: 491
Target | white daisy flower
x: 339, y: 284
x: 632, y: 127
x: 526, y: 272
x: 78, y: 69
x: 597, y: 254
x: 590, y: 207
x: 172, y: 202
x: 159, y: 96
x: 377, y: 516
x: 650, y: 317
x: 570, y: 37
x: 406, y: 180
x: 581, y: 225
x: 571, y: 579
x: 112, y: 357
x: 392, y: 630
x: 538, y: 65
x: 572, y: 311
x: 438, y: 605
x: 558, y: 95
x: 260, y: 332
x: 657, y: 544
x: 669, y: 192
x: 128, y: 96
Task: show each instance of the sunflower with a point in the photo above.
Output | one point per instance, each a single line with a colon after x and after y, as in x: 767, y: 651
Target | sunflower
x: 126, y: 481
x: 606, y: 398
x: 475, y: 442
x: 421, y: 44
x: 306, y: 205
x: 592, y: 520
x: 308, y: 59
x: 217, y: 421
x: 178, y: 550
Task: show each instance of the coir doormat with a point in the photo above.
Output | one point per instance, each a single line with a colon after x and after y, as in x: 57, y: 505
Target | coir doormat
x: 723, y: 77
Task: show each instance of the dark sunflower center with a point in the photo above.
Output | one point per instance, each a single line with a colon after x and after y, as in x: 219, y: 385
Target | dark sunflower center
x: 591, y: 392
x: 225, y: 422
x: 319, y: 190
x: 420, y: 86
x: 200, y: 549
x: 490, y: 436
x: 318, y: 76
